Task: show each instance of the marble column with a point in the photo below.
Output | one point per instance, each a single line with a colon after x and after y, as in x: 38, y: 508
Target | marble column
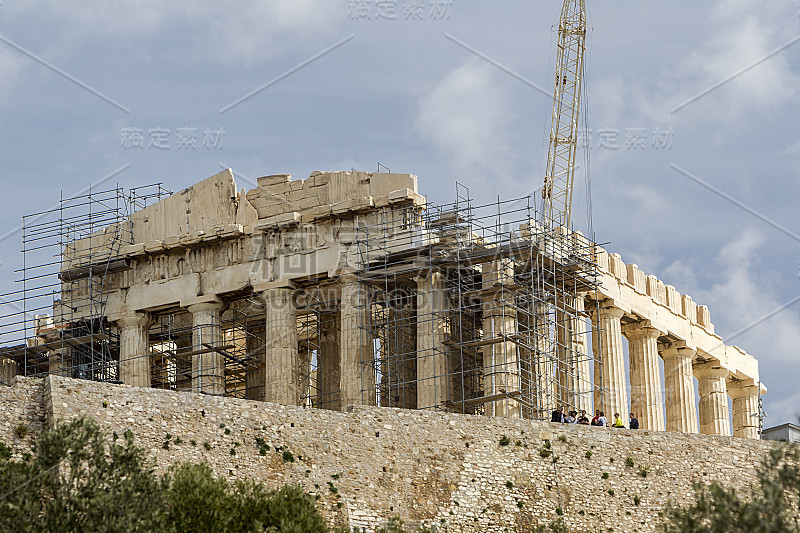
x: 208, y: 367
x: 357, y: 351
x: 500, y: 358
x: 281, y: 359
x: 8, y: 371
x: 745, y: 408
x: 329, y: 367
x: 134, y: 349
x: 679, y: 393
x: 573, y: 371
x: 432, y: 330
x: 255, y: 376
x: 647, y: 403
x: 713, y: 411
x: 609, y: 369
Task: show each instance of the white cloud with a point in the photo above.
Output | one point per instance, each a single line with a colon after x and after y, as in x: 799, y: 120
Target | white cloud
x: 738, y: 42
x: 466, y: 115
x: 745, y: 294
x: 222, y: 30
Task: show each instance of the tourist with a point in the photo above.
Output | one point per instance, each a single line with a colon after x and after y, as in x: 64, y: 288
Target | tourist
x: 558, y: 415
x: 583, y: 419
x: 634, y: 422
x: 596, y: 419
x: 618, y: 422
x: 602, y: 421
x: 570, y: 417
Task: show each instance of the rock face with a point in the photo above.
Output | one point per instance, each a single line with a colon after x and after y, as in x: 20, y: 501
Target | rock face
x: 468, y: 473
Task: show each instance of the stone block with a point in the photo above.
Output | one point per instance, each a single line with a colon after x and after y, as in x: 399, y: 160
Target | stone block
x: 637, y: 278
x: 601, y: 258
x: 280, y: 221
x: 674, y: 300
x: 154, y: 246
x: 353, y: 206
x: 689, y: 308
x: 617, y: 267
x: 132, y: 250
x: 704, y: 317
x: 274, y: 179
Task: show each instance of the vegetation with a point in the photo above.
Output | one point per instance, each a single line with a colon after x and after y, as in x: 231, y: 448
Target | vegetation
x: 79, y: 481
x: 772, y: 504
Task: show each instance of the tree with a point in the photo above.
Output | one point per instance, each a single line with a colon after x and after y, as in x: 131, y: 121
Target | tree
x: 78, y: 481
x: 769, y: 506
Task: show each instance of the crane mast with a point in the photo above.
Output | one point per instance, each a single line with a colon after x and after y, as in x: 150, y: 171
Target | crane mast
x: 561, y: 155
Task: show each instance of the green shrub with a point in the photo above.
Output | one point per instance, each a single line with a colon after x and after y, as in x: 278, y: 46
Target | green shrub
x: 629, y: 462
x: 504, y: 440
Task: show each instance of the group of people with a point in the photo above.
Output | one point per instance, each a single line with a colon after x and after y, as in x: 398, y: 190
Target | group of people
x: 580, y: 417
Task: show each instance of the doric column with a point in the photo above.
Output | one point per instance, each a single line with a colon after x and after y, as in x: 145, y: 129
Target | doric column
x: 609, y: 362
x: 134, y: 349
x: 432, y: 330
x: 646, y: 400
x: 255, y: 376
x: 281, y: 363
x: 679, y: 394
x: 500, y: 358
x: 745, y: 408
x: 573, y: 369
x: 357, y: 353
x: 208, y: 366
x: 714, y: 416
x: 329, y: 366
x: 8, y: 371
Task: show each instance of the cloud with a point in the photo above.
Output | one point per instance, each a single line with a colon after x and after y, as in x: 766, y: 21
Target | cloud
x: 465, y: 116
x: 739, y: 42
x: 225, y: 30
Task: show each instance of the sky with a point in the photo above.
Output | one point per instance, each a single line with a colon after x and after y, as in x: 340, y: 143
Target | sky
x: 691, y: 122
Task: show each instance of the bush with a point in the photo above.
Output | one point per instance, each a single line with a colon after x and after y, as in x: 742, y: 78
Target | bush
x: 5, y: 451
x: 629, y: 462
x: 21, y: 431
x: 767, y: 505
x: 77, y: 479
x: 504, y: 440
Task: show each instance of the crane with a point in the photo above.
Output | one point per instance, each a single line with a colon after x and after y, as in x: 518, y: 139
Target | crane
x: 561, y: 155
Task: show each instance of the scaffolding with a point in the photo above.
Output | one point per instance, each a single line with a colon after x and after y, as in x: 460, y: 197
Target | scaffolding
x: 55, y: 322
x: 476, y: 309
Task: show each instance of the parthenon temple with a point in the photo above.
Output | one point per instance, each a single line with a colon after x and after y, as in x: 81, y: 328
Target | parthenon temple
x: 350, y: 288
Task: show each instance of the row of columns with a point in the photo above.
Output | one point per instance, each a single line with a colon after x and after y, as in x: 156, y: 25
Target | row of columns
x: 678, y: 402
x: 343, y: 343
x: 343, y: 379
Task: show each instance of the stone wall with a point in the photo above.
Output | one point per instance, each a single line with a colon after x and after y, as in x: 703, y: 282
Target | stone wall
x: 22, y: 414
x: 460, y: 472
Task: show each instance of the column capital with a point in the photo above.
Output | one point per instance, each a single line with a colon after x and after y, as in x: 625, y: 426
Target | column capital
x: 425, y: 273
x: 710, y: 369
x: 137, y: 319
x: 677, y: 351
x: 642, y: 329
x: 741, y: 389
x: 609, y: 311
x: 203, y: 303
x: 348, y: 278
